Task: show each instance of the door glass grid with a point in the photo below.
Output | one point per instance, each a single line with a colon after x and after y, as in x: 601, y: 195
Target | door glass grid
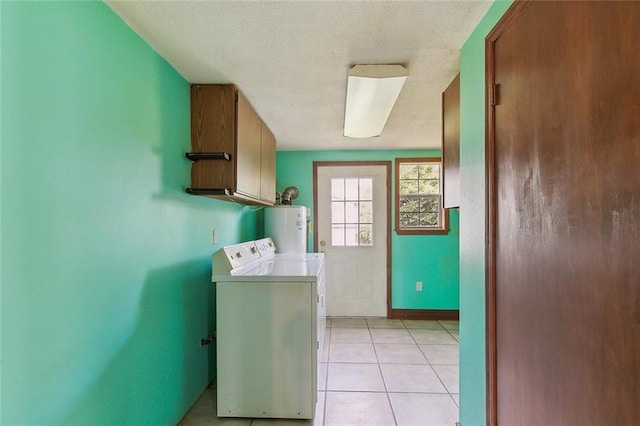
x: 351, y: 212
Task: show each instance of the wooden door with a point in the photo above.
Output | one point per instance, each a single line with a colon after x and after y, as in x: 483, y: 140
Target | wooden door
x: 564, y: 214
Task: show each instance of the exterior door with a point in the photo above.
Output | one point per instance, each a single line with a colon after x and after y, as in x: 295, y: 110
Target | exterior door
x: 352, y: 229
x: 564, y: 214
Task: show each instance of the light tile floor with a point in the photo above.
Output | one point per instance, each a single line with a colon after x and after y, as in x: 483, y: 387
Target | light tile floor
x: 375, y: 372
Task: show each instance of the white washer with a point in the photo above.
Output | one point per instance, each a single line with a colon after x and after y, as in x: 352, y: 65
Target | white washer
x: 270, y: 322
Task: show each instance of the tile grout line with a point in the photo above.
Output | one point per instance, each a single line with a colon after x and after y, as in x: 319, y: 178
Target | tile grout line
x: 326, y: 374
x: 458, y: 365
x: 431, y: 365
x: 384, y: 382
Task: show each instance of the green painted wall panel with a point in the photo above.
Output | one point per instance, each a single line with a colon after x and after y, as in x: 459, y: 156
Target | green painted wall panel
x: 431, y: 259
x: 472, y: 221
x: 105, y: 260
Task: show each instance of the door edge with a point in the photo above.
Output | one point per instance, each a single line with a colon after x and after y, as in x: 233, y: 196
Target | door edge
x: 508, y: 19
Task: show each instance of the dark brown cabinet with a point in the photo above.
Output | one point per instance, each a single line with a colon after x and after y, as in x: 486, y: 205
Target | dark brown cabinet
x: 225, y: 126
x: 451, y: 143
x: 268, y: 166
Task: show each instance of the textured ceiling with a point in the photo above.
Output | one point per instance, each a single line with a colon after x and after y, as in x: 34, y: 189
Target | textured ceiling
x: 290, y: 59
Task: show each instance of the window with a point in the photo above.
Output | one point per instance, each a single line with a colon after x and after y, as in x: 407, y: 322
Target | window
x: 419, y: 197
x: 351, y: 212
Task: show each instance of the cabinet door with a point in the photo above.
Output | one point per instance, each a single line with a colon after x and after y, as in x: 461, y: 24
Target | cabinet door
x: 268, y: 172
x: 451, y: 143
x: 213, y: 115
x: 249, y: 136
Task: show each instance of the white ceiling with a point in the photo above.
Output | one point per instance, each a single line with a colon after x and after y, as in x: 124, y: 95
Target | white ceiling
x: 290, y: 59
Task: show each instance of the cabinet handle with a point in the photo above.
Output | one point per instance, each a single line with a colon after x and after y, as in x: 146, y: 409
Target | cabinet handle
x: 209, y: 191
x: 195, y: 156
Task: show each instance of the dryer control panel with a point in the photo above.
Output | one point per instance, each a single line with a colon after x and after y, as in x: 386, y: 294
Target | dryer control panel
x: 231, y: 259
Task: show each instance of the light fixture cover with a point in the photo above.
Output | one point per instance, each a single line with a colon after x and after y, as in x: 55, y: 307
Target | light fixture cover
x: 372, y: 91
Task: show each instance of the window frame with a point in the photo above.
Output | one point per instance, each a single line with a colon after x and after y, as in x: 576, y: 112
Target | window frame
x: 444, y: 213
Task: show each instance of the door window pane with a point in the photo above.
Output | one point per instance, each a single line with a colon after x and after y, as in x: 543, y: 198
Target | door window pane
x: 337, y: 212
x: 366, y: 234
x: 337, y: 189
x: 351, y: 189
x: 366, y: 212
x: 366, y: 189
x: 351, y: 235
x: 337, y: 235
x: 352, y: 211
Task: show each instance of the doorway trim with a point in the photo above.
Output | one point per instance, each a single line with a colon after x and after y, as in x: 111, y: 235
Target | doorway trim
x: 387, y: 164
x: 492, y: 99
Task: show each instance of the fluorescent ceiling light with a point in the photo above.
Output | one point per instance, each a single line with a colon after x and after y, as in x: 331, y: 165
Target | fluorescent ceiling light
x: 372, y: 91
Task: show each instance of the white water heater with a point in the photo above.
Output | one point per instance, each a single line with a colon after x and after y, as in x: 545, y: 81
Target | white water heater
x: 287, y: 227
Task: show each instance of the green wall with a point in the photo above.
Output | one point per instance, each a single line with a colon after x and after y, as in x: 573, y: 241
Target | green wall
x: 105, y: 271
x: 432, y: 259
x: 472, y: 221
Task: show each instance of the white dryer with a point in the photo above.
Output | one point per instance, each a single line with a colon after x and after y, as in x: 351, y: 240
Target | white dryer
x: 270, y: 322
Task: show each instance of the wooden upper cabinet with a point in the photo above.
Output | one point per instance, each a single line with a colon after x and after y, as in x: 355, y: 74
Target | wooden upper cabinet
x: 248, y: 149
x: 213, y: 129
x: 268, y: 172
x: 451, y: 143
x: 223, y: 121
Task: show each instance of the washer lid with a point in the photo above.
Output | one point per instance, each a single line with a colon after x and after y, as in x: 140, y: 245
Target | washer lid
x: 275, y: 270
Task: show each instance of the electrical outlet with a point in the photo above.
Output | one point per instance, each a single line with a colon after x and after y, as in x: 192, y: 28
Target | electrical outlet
x: 215, y: 236
x: 418, y: 285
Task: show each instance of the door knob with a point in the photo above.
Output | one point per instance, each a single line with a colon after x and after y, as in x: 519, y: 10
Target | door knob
x: 322, y: 243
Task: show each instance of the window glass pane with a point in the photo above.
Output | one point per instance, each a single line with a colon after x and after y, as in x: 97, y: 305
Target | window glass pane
x: 366, y: 189
x: 429, y: 171
x: 429, y: 219
x: 409, y: 204
x: 366, y: 235
x: 351, y: 212
x: 351, y: 189
x: 337, y: 189
x: 337, y: 235
x: 337, y: 212
x: 430, y: 186
x: 366, y: 212
x: 409, y: 220
x: 351, y: 235
x: 430, y: 204
x: 408, y: 171
x: 408, y: 187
